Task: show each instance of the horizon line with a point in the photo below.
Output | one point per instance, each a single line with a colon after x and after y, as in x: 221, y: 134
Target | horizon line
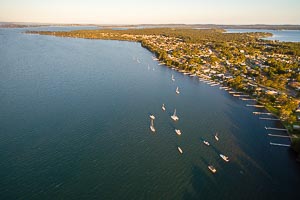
x: 134, y: 24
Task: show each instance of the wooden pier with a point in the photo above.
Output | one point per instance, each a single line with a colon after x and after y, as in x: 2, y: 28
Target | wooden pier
x: 256, y: 106
x: 211, y: 82
x: 277, y: 144
x: 233, y: 92
x: 245, y: 99
x: 275, y: 129
x: 222, y: 87
x: 270, y: 119
x: 283, y: 136
x: 240, y: 95
x: 261, y: 113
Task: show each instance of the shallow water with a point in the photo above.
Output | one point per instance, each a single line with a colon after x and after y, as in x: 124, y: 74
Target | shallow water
x: 280, y: 35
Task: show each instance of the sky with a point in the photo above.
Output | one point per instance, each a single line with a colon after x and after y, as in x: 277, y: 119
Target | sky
x: 152, y: 12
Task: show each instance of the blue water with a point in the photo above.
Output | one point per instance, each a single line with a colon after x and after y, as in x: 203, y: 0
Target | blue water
x: 280, y: 35
x: 75, y: 125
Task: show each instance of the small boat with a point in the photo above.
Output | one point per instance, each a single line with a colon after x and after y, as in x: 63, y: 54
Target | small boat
x: 152, y: 126
x: 163, y: 107
x: 225, y: 158
x: 177, y: 90
x: 174, y: 116
x: 180, y: 150
x: 216, y: 137
x: 212, y: 169
x: 152, y: 117
x: 173, y: 79
x: 205, y: 142
x: 178, y: 132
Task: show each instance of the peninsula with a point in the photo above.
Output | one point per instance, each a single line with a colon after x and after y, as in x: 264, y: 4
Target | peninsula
x: 266, y: 70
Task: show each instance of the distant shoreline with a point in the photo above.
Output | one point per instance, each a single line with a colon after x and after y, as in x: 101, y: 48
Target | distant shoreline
x: 133, y: 26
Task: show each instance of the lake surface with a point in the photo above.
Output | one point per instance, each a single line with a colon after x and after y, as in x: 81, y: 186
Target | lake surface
x: 280, y: 35
x: 75, y: 125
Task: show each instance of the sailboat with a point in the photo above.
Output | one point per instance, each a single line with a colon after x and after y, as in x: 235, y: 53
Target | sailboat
x: 206, y: 143
x: 173, y: 79
x: 216, y: 137
x: 174, y: 116
x: 212, y: 169
x: 152, y: 125
x: 163, y: 107
x: 225, y: 158
x: 177, y: 90
x: 178, y: 132
x: 180, y: 150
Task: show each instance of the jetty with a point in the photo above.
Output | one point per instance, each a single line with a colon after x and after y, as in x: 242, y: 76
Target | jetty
x: 277, y: 144
x: 223, y: 87
x: 245, y: 99
x: 275, y: 129
x: 211, y: 82
x: 283, y: 136
x: 270, y: 119
x: 261, y: 113
x: 207, y: 81
x: 255, y: 105
x: 233, y: 92
x: 240, y: 95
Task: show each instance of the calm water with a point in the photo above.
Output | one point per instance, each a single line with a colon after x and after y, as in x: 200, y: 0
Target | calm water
x: 75, y: 125
x: 280, y: 35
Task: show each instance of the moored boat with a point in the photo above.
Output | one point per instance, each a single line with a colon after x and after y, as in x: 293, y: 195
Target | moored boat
x: 225, y: 158
x: 206, y: 143
x: 174, y: 116
x: 177, y: 90
x: 163, y: 107
x: 152, y: 116
x: 212, y: 169
x: 180, y: 150
x: 177, y: 131
x: 216, y: 137
x: 152, y: 125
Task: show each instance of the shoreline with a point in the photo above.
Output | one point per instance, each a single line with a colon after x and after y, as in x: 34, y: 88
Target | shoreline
x: 161, y: 58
